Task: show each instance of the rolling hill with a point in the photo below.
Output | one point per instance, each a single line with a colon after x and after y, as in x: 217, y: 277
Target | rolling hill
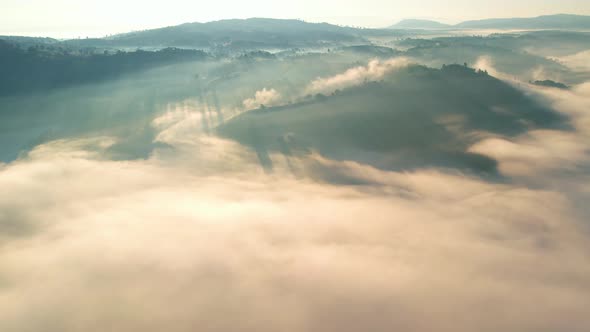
x: 418, y: 116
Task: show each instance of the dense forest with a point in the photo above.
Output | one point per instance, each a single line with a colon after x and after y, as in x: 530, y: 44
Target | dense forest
x: 45, y: 66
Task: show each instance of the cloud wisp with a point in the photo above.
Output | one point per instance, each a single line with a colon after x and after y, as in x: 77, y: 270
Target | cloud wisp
x: 264, y: 97
x: 375, y: 70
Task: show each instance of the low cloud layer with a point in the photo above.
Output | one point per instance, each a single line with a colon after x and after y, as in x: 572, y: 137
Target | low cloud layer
x: 578, y: 61
x: 198, y: 238
x: 149, y: 246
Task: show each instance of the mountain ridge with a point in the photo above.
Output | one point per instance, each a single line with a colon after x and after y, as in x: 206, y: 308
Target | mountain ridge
x: 556, y: 21
x: 255, y: 32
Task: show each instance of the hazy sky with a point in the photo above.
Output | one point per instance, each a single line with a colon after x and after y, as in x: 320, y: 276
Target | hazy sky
x: 72, y: 18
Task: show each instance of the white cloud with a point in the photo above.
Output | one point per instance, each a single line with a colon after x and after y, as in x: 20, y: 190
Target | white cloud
x: 198, y: 237
x: 192, y: 239
x: 486, y: 63
x: 375, y: 70
x: 538, y: 152
x: 266, y: 97
x: 578, y: 61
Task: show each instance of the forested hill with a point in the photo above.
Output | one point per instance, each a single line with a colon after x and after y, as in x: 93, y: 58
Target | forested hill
x: 45, y: 66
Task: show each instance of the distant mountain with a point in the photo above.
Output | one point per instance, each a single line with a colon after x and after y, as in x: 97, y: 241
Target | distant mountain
x: 419, y: 24
x: 556, y: 22
x: 248, y: 33
x: 560, y: 21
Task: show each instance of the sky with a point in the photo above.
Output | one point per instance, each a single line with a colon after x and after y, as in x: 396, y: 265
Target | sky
x: 82, y: 18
